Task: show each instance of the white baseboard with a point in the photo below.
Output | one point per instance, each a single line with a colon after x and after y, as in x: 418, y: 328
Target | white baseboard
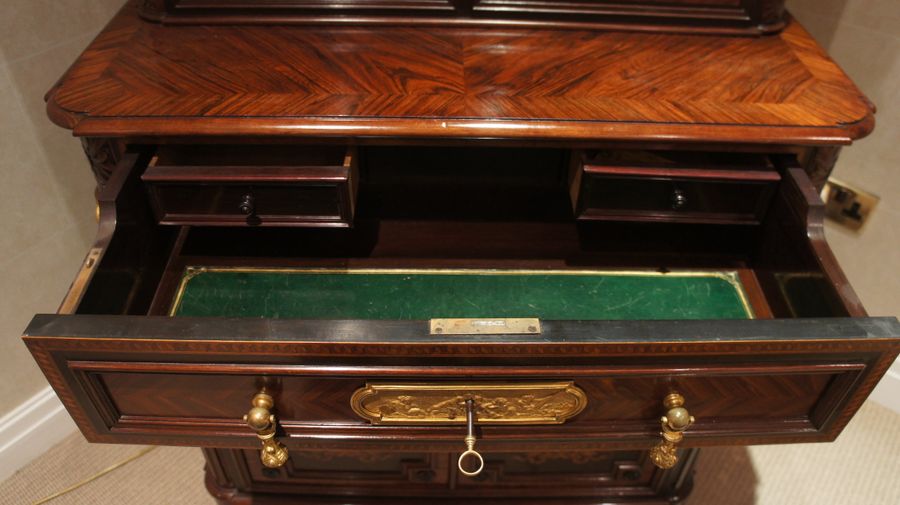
x: 31, y: 429
x: 887, y: 392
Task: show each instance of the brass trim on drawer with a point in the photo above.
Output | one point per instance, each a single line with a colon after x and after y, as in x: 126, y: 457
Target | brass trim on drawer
x: 445, y: 403
x: 485, y: 326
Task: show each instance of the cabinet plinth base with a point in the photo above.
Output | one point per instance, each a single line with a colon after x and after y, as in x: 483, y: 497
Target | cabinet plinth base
x: 234, y: 477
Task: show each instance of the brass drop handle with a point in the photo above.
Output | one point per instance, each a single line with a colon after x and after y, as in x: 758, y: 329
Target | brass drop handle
x: 470, y: 452
x: 674, y: 422
x: 261, y: 419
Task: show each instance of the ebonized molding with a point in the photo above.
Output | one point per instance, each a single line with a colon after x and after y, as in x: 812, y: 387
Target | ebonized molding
x: 733, y: 17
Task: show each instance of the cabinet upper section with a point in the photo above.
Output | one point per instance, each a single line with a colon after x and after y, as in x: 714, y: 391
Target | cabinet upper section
x: 144, y: 79
x: 748, y: 17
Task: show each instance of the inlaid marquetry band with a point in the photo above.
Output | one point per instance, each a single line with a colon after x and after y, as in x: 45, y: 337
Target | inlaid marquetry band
x: 445, y: 403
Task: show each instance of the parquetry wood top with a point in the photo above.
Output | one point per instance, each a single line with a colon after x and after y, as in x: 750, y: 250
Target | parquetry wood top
x: 140, y: 78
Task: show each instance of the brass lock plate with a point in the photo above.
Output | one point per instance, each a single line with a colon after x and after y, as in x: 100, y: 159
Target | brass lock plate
x: 846, y: 205
x: 445, y: 403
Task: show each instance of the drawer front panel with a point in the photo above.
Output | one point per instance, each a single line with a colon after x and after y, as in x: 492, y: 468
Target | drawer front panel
x: 732, y: 10
x: 572, y: 473
x: 176, y: 381
x: 315, y: 5
x: 316, y: 404
x: 395, y: 474
x: 673, y: 199
x: 372, y: 473
x: 224, y: 204
x: 672, y: 186
x: 723, y: 188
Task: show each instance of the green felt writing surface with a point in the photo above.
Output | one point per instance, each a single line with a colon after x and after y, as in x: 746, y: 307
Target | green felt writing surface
x: 459, y: 294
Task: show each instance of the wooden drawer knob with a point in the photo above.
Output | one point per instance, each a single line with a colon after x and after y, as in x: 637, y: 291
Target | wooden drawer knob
x: 679, y: 199
x: 247, y: 206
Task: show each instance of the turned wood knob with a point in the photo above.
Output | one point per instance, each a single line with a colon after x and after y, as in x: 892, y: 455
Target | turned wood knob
x: 679, y: 199
x: 247, y: 205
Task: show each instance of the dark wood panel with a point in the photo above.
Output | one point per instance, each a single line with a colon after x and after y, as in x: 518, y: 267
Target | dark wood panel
x: 339, y: 472
x: 746, y: 17
x: 249, y: 204
x: 123, y: 268
x: 578, y: 477
x: 801, y: 278
x: 574, y: 473
x: 648, y: 186
x: 380, y: 473
x: 326, y: 400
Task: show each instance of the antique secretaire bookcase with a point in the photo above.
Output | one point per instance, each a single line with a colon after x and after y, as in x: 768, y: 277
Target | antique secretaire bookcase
x: 459, y: 250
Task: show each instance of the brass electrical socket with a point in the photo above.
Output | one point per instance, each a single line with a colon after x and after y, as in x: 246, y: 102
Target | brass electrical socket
x: 847, y: 205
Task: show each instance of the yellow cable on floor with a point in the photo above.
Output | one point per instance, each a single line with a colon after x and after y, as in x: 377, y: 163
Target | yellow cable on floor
x: 94, y: 477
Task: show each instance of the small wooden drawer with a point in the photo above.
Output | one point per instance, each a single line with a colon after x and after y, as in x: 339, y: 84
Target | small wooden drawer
x: 673, y: 187
x: 249, y: 186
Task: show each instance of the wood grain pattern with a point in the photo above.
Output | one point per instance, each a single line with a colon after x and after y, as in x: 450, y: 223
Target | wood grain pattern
x: 142, y: 79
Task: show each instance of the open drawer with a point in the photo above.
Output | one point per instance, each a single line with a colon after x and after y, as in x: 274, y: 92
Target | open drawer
x: 731, y: 188
x: 567, y: 335
x: 262, y: 186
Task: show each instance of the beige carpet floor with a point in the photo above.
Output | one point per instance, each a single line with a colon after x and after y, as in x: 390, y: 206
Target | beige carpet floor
x: 862, y: 467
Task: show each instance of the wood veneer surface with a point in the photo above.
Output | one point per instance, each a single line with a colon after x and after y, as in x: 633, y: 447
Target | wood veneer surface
x: 144, y: 79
